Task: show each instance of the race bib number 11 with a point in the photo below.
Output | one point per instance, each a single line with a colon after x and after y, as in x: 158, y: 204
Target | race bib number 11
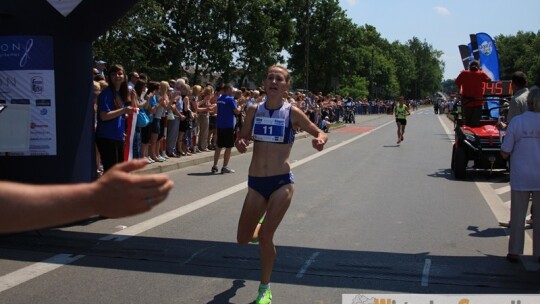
x: 269, y: 129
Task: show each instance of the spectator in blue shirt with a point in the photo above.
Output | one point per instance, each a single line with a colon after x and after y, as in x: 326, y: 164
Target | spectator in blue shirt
x: 227, y: 109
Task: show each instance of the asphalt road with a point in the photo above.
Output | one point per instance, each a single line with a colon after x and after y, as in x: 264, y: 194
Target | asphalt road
x: 368, y: 216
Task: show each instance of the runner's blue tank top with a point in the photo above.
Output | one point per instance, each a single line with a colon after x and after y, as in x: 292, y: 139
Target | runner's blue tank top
x: 273, y: 126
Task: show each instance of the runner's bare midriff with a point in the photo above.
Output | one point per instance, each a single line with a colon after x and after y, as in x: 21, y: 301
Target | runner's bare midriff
x: 270, y: 159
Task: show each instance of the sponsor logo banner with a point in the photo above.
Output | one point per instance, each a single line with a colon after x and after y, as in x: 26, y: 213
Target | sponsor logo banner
x: 27, y: 79
x: 439, y: 299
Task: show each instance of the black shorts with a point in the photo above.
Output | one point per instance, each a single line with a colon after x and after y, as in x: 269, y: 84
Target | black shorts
x: 163, y: 125
x: 145, y: 134
x: 225, y: 138
x: 155, y: 126
x: 184, y: 125
x: 401, y: 121
x: 212, y: 122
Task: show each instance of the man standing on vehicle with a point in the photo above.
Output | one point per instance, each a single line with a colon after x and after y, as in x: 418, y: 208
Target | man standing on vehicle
x: 471, y: 84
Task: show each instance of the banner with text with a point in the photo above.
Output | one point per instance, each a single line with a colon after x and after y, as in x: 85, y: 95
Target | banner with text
x: 440, y: 299
x: 27, y: 79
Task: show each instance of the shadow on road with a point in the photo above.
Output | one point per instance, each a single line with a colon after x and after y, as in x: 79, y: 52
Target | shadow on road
x: 393, y: 272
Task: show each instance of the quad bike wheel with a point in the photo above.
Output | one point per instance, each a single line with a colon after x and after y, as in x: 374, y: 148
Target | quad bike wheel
x: 459, y: 162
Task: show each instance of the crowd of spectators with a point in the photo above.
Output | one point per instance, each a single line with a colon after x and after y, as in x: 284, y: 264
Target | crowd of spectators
x: 183, y: 115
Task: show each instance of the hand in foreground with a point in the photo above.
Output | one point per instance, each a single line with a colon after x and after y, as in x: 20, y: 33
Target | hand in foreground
x: 119, y: 193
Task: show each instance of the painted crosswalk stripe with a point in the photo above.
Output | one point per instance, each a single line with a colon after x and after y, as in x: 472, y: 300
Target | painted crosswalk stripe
x: 502, y: 190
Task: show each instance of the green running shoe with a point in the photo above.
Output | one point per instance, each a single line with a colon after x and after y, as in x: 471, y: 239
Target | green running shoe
x: 264, y: 297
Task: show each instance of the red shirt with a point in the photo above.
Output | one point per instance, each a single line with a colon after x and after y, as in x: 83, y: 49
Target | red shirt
x: 471, y: 84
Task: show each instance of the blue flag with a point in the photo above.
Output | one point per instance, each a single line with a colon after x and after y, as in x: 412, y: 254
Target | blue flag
x: 488, y: 55
x: 489, y: 62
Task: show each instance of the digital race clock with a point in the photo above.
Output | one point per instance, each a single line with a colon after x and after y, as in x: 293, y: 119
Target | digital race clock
x: 497, y: 88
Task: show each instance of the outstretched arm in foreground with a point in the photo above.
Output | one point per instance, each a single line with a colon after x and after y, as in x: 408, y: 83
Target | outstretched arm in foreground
x: 116, y: 194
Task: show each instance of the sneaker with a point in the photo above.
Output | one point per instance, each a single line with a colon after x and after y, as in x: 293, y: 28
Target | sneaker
x: 164, y: 155
x: 504, y: 224
x: 162, y: 158
x: 264, y: 297
x: 214, y: 169
x: 529, y: 221
x: 227, y: 170
x: 150, y: 160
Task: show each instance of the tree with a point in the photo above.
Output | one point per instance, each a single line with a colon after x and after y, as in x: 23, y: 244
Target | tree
x: 357, y: 88
x: 240, y: 39
x: 519, y: 53
x: 406, y: 74
x: 329, y: 49
x: 262, y: 35
x: 449, y: 87
x: 138, y: 41
x: 429, y: 68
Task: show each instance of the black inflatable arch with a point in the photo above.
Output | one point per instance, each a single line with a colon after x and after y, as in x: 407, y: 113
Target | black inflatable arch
x: 72, y: 43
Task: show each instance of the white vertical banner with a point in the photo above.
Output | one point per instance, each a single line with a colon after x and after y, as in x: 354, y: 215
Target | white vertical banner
x: 27, y: 80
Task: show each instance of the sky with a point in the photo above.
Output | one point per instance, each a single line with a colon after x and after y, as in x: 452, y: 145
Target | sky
x: 444, y: 24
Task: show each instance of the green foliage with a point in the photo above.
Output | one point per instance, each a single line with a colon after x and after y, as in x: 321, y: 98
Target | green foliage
x: 449, y: 87
x: 358, y: 88
x: 428, y: 66
x: 520, y: 52
x: 325, y: 51
x: 338, y: 52
x: 137, y: 41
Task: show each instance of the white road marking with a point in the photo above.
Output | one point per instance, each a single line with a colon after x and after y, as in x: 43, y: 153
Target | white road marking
x: 502, y: 190
x: 425, y: 273
x: 447, y: 130
x: 171, y: 215
x: 35, y: 270
x: 306, y: 265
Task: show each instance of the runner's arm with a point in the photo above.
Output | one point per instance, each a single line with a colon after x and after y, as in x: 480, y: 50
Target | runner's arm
x: 300, y: 120
x: 244, y: 137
